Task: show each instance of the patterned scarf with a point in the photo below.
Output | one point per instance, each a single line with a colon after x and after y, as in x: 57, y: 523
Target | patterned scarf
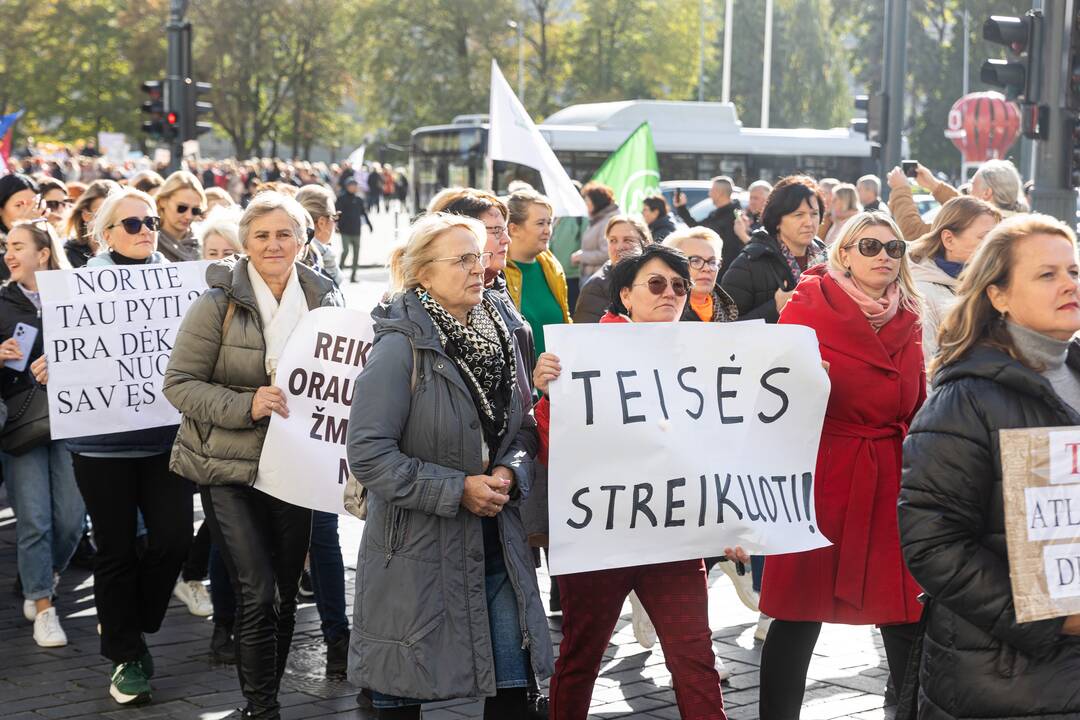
x: 814, y: 256
x: 482, y: 353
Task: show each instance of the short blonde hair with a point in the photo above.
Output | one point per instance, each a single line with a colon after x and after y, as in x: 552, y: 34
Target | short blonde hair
x: 267, y: 202
x: 407, y: 260
x: 224, y: 222
x: 179, y: 180
x: 678, y: 238
x: 107, y: 213
x: 847, y: 196
x: 520, y: 201
x: 644, y: 235
x: 850, y: 231
x: 220, y: 196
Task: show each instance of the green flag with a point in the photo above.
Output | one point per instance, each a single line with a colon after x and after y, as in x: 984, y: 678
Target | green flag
x: 632, y: 171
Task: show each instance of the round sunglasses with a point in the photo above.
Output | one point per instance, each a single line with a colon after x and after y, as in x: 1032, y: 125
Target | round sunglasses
x: 132, y: 225
x: 658, y: 284
x: 870, y: 247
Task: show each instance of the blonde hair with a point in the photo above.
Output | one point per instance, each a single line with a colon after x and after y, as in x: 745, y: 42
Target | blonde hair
x: 220, y: 196
x: 520, y: 201
x: 846, y: 195
x: 106, y: 214
x: 75, y: 228
x: 644, y: 235
x: 956, y: 216
x: 974, y: 320
x: 1004, y: 183
x: 407, y: 260
x: 467, y: 201
x: 270, y: 201
x: 179, y: 180
x: 910, y: 298
x: 45, y: 238
x: 224, y: 222
x: 678, y: 238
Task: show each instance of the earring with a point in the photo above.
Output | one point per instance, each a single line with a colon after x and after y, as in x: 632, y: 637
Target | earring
x: 847, y: 272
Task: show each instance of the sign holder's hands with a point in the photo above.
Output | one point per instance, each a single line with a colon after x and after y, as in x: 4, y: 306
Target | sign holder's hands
x: 268, y: 399
x: 485, y: 495
x: 40, y: 369
x: 547, y: 369
x: 780, y: 297
x: 737, y: 554
x: 1071, y: 626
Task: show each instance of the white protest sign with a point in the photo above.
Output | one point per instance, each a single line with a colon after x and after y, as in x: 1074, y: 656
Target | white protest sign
x: 109, y: 332
x: 672, y: 441
x: 1053, y: 512
x: 303, y: 458
x: 1065, y: 457
x: 1062, y: 567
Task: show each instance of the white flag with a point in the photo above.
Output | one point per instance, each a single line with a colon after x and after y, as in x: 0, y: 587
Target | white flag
x: 356, y: 157
x: 514, y: 137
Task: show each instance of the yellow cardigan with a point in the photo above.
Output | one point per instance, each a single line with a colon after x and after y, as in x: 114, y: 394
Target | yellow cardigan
x: 553, y: 273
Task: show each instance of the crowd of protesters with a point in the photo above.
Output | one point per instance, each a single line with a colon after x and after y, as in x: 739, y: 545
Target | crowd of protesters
x: 959, y: 326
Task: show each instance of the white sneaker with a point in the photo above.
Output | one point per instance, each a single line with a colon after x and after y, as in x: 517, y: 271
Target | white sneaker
x: 744, y: 584
x: 721, y: 670
x: 644, y: 632
x: 29, y: 610
x: 47, y: 630
x: 193, y: 594
x: 763, y: 624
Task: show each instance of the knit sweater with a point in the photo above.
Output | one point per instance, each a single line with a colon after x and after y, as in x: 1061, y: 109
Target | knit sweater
x: 1047, y: 355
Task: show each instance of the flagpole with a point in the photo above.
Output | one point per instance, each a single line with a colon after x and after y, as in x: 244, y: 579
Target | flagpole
x: 701, y: 52
x: 729, y: 21
x: 766, y: 69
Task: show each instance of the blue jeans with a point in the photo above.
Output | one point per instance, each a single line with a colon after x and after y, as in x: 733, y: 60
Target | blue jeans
x: 511, y: 661
x: 49, y: 514
x: 328, y: 575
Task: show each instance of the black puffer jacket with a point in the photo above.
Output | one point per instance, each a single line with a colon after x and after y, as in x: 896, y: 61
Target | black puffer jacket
x: 16, y: 308
x: 661, y: 227
x: 755, y: 276
x: 978, y: 662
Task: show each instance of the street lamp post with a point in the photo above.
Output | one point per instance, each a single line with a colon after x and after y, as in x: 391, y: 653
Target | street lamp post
x: 520, y: 27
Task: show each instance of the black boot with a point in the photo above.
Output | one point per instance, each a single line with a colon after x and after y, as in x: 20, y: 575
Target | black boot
x: 412, y: 712
x: 508, y: 704
x: 223, y: 644
x: 337, y: 657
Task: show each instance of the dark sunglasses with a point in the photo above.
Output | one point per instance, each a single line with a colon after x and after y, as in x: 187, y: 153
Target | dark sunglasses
x: 132, y: 225
x: 55, y: 205
x: 870, y: 247
x: 195, y: 211
x: 657, y: 285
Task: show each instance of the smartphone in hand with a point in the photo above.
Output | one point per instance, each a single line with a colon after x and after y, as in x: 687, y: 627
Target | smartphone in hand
x: 909, y: 167
x: 25, y: 335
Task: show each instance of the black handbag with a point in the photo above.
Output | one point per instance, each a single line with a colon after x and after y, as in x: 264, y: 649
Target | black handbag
x: 27, y: 424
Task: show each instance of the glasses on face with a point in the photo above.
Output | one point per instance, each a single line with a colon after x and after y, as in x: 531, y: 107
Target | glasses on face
x: 870, y: 247
x: 335, y: 216
x: 183, y: 209
x: 697, y: 262
x: 658, y: 284
x: 54, y: 205
x: 132, y: 225
x: 468, y: 260
x: 496, y: 231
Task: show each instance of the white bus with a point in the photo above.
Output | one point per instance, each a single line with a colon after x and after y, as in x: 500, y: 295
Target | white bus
x: 694, y: 141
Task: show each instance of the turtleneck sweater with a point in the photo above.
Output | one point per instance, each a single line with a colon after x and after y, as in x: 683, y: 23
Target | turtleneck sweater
x: 1049, y: 354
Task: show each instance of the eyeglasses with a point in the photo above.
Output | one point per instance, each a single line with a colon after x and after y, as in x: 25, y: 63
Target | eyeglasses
x: 658, y: 284
x: 697, y: 262
x: 497, y: 231
x: 335, y: 216
x: 870, y: 247
x: 55, y: 205
x: 132, y: 225
x: 468, y: 260
x: 182, y: 209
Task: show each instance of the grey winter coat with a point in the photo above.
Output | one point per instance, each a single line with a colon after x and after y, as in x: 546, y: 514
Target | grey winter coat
x: 420, y: 624
x: 212, y: 379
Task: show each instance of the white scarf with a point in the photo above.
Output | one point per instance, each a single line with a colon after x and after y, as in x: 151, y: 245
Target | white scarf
x: 278, y: 319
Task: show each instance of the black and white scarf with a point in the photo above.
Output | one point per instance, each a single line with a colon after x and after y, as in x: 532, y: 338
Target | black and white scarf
x: 482, y: 353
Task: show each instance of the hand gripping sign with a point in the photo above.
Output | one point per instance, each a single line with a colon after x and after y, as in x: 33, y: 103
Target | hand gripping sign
x: 303, y: 458
x: 672, y: 441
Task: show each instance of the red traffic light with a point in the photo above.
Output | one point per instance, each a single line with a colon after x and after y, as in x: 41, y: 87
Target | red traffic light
x: 171, y: 118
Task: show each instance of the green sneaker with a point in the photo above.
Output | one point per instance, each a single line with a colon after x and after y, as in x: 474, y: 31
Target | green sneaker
x: 129, y: 684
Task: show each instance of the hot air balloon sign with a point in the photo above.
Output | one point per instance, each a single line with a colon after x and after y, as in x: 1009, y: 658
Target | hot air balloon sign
x: 983, y: 126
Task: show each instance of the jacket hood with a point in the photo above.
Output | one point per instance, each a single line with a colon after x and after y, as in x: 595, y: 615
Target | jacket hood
x: 405, y: 314
x: 927, y: 271
x: 230, y: 275
x: 990, y: 363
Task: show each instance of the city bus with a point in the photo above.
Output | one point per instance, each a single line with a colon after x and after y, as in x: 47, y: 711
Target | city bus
x: 694, y: 141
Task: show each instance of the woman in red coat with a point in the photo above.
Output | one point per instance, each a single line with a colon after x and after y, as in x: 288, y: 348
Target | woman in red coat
x: 865, y: 310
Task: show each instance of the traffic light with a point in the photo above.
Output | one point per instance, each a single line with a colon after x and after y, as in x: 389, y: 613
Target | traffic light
x: 194, y: 108
x: 1072, y: 88
x: 154, y: 108
x: 1022, y: 36
x: 172, y: 125
x: 873, y: 126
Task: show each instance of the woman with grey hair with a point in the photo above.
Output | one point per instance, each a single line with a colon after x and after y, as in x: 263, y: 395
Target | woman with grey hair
x: 219, y: 233
x: 444, y: 439
x: 221, y: 378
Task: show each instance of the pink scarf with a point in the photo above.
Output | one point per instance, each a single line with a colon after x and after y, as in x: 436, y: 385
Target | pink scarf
x: 878, y: 312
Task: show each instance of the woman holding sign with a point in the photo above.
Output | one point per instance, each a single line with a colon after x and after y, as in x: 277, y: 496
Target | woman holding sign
x: 865, y: 310
x: 221, y: 377
x: 1007, y: 360
x: 651, y: 287
x: 41, y: 481
x: 442, y: 437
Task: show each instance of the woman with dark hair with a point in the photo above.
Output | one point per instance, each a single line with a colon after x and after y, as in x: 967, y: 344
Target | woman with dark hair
x: 600, y: 201
x: 763, y: 277
x: 18, y: 201
x: 650, y: 287
x: 80, y: 245
x: 55, y: 200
